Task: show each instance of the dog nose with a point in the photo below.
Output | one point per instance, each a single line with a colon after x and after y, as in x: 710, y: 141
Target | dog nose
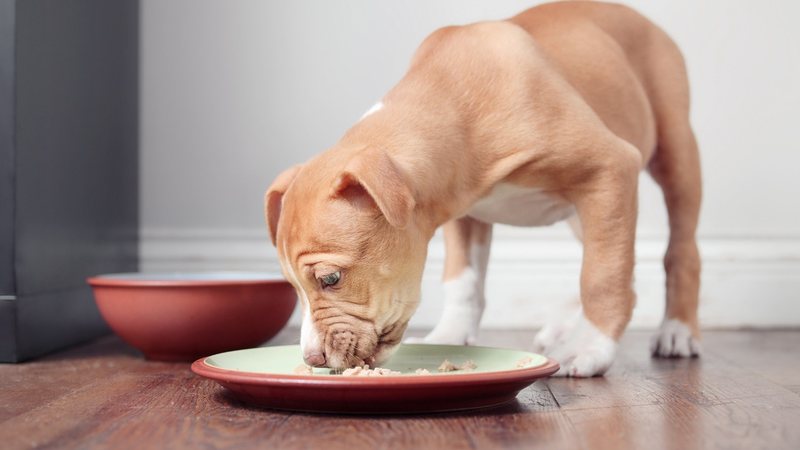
x: 314, y: 359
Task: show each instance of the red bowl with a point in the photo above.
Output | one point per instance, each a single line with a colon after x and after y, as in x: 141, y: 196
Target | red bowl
x: 182, y: 317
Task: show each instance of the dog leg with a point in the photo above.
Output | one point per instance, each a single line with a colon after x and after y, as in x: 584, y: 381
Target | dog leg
x: 467, y: 244
x: 585, y: 345
x: 676, y: 168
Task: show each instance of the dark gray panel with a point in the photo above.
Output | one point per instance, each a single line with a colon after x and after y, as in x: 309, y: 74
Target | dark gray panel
x: 68, y: 165
x: 77, y: 139
x: 6, y: 148
x: 52, y: 321
x: 8, y: 330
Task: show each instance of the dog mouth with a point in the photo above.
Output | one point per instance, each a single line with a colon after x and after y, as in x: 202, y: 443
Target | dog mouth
x: 357, y: 356
x: 346, y: 347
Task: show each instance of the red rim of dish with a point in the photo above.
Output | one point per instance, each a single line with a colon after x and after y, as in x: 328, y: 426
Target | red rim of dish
x: 200, y: 367
x: 108, y: 280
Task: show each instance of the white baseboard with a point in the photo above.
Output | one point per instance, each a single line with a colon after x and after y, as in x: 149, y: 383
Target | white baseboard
x: 746, y: 282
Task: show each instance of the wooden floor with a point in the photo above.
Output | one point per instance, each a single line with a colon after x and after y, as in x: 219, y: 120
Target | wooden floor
x: 744, y: 393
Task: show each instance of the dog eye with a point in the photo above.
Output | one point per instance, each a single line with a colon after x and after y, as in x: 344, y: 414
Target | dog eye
x: 330, y: 279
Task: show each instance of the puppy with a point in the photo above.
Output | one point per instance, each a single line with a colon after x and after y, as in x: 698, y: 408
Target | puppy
x: 547, y: 116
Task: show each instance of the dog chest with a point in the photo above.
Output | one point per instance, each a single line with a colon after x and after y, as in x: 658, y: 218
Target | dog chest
x: 520, y: 206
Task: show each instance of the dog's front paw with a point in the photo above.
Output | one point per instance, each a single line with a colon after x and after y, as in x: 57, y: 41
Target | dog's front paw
x: 674, y: 339
x: 579, y: 347
x: 554, y: 332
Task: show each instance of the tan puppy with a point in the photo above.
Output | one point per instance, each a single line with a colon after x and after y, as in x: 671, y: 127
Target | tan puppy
x: 547, y: 116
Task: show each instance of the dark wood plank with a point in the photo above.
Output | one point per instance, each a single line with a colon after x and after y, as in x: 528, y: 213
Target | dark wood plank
x: 728, y: 370
x: 533, y: 421
x: 28, y: 385
x: 339, y: 432
x: 764, y: 422
x: 136, y: 409
x: 773, y: 355
x: 105, y: 395
x: 631, y: 427
x: 531, y: 426
x: 646, y: 402
x: 189, y: 412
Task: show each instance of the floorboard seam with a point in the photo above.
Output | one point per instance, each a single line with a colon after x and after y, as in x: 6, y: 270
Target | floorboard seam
x: 553, y: 395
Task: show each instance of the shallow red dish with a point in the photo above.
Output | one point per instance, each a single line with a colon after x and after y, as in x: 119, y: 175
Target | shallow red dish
x: 264, y: 377
x: 181, y: 317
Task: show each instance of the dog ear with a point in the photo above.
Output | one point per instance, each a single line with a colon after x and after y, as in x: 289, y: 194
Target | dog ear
x: 273, y: 199
x: 374, y: 171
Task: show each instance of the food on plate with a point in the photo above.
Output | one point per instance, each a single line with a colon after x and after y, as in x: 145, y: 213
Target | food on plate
x: 365, y: 371
x: 303, y: 369
x: 523, y: 362
x: 468, y: 365
x: 447, y: 366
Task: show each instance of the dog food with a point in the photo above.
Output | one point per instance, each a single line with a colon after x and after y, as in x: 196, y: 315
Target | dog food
x: 447, y: 366
x: 468, y: 365
x: 303, y: 369
x: 365, y: 371
x: 524, y: 362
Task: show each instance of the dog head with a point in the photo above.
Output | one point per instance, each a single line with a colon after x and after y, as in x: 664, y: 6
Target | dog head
x: 345, y: 230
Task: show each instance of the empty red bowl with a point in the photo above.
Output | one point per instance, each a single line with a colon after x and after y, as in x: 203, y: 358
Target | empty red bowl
x: 184, y: 316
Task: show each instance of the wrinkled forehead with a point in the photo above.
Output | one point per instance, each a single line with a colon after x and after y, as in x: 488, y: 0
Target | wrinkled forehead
x: 311, y: 220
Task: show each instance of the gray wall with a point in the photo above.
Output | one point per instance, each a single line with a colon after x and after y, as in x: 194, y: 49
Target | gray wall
x: 233, y: 92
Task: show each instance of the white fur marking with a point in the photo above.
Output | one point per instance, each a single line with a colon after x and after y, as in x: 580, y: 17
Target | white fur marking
x: 463, y: 307
x: 520, y: 206
x: 580, y: 348
x: 464, y: 303
x: 375, y: 108
x: 674, y: 338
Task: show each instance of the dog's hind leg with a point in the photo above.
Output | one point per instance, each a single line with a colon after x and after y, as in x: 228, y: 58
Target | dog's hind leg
x: 467, y: 244
x: 675, y: 166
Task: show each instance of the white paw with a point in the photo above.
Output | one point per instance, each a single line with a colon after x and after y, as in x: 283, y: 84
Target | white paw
x: 579, y: 347
x: 461, y: 316
x: 674, y: 339
x: 554, y: 331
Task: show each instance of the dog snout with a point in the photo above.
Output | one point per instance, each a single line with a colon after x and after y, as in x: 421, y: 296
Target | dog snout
x: 314, y: 359
x: 343, y: 341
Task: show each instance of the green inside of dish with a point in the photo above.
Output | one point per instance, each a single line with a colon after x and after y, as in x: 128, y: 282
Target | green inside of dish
x: 286, y: 359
